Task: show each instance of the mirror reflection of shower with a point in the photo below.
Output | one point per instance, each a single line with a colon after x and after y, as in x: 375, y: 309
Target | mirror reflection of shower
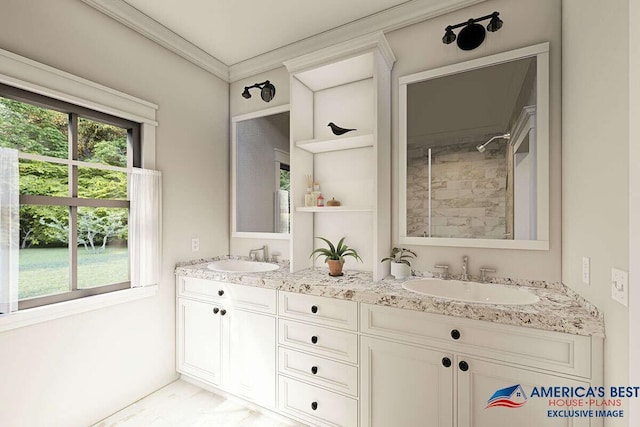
x: 482, y: 147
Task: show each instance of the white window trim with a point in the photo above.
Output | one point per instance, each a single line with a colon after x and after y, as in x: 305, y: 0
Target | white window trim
x: 45, y: 313
x: 42, y: 79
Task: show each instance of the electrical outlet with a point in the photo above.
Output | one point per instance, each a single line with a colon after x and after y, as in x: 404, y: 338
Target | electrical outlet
x: 195, y: 245
x: 619, y: 286
x: 586, y: 270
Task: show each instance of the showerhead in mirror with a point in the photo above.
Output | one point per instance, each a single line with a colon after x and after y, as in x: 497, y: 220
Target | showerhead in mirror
x: 482, y: 147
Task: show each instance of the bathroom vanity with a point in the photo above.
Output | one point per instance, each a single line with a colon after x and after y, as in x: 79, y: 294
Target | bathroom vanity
x: 352, y: 352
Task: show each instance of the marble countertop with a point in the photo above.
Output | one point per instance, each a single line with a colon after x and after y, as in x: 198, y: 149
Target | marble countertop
x: 559, y: 309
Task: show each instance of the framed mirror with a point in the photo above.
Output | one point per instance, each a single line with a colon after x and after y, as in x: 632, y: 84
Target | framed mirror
x: 260, y: 174
x: 474, y: 153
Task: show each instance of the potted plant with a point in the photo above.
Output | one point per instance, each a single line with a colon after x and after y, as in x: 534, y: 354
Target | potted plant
x: 334, y: 255
x: 400, y: 262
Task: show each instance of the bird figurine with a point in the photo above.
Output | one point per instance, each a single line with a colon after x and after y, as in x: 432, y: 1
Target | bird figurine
x: 337, y: 130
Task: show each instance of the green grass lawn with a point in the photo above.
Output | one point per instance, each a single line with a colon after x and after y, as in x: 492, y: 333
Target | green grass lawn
x: 45, y: 271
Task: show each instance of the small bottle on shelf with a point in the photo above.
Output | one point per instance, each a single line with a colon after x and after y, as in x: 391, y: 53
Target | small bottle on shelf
x: 320, y: 201
x: 309, y: 199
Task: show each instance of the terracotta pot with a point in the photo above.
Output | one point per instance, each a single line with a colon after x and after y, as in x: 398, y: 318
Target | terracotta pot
x: 335, y: 267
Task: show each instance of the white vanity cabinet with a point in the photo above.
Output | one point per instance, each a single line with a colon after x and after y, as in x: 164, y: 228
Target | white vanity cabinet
x: 226, y: 337
x: 318, y: 357
x: 447, y: 368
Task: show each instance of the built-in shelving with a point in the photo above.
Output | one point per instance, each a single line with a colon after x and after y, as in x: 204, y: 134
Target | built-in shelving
x: 348, y: 84
x: 323, y: 145
x: 335, y: 209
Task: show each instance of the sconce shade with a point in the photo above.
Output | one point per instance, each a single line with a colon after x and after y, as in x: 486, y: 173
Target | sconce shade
x: 246, y: 94
x: 268, y: 92
x: 449, y: 36
x: 495, y: 24
x: 471, y: 36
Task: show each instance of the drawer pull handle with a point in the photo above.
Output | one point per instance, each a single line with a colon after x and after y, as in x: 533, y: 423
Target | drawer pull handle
x: 223, y: 312
x: 314, y: 405
x: 314, y: 309
x: 464, y: 366
x: 314, y: 339
x: 215, y: 310
x: 314, y: 370
x: 446, y: 362
x: 455, y: 334
x: 220, y: 292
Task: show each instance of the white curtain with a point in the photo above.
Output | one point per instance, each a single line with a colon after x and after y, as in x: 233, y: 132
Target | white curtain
x: 9, y: 230
x: 145, y: 226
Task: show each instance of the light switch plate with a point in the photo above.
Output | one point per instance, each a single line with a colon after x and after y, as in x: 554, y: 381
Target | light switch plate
x: 619, y: 286
x: 586, y: 270
x: 195, y: 245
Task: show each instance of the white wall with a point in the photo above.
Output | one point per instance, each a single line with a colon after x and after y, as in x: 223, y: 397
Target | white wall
x: 238, y: 105
x: 634, y: 204
x: 419, y: 47
x: 595, y: 164
x: 76, y: 370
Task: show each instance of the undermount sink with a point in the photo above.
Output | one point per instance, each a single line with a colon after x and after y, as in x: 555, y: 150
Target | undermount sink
x: 481, y: 293
x: 241, y: 266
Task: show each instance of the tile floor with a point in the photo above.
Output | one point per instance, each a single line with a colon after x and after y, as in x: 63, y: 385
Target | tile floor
x: 181, y: 404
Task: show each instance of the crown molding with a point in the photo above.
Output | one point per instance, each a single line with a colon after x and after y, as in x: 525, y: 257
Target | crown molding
x: 153, y: 30
x: 388, y: 20
x: 353, y: 46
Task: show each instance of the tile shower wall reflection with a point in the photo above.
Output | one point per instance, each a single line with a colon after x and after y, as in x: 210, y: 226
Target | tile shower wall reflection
x: 469, y: 191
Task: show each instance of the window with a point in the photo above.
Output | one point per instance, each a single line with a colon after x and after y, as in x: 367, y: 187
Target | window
x: 74, y: 206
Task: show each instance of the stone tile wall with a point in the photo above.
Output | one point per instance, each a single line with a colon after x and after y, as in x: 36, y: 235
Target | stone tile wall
x: 468, y: 191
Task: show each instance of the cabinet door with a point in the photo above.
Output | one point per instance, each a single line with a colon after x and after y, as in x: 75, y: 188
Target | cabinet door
x: 482, y: 379
x: 252, y: 356
x: 199, y: 341
x: 403, y: 385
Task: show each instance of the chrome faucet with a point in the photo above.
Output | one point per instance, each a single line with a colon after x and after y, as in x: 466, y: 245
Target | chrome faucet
x: 265, y: 253
x: 465, y: 264
x: 445, y: 270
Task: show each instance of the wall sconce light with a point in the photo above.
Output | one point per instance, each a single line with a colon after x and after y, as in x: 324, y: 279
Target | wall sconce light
x: 473, y: 34
x: 267, y: 91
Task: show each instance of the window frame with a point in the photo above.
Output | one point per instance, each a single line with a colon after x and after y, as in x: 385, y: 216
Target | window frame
x: 72, y: 201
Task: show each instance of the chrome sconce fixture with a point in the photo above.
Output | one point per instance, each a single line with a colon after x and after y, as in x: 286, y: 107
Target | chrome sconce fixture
x: 473, y: 34
x: 267, y: 91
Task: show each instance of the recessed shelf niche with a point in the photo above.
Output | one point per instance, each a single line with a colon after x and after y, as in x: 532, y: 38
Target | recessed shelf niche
x: 347, y: 84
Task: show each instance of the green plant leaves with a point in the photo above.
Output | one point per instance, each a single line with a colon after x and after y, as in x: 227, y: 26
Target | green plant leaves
x: 337, y: 252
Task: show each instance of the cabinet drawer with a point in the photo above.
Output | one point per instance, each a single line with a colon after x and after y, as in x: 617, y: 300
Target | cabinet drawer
x: 327, y: 373
x: 315, y: 405
x: 318, y: 340
x: 548, y: 350
x: 239, y: 296
x: 252, y: 298
x: 320, y: 310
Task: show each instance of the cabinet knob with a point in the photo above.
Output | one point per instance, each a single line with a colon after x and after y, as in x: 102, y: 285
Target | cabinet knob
x: 314, y: 309
x: 314, y: 370
x: 223, y: 312
x: 215, y: 310
x: 314, y: 339
x: 464, y: 366
x: 446, y: 362
x: 220, y: 292
x: 314, y: 405
x: 455, y: 334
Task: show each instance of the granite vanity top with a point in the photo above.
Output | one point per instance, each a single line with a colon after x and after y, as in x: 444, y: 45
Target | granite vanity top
x: 559, y: 309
